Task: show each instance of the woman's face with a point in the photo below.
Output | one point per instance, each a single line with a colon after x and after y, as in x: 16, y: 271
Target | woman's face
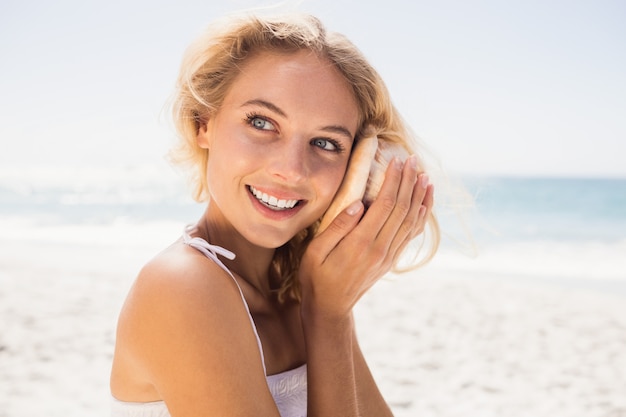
x: 279, y: 145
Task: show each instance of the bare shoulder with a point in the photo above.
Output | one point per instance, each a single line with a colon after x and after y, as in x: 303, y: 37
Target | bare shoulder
x: 179, y: 284
x: 183, y: 328
x: 181, y: 274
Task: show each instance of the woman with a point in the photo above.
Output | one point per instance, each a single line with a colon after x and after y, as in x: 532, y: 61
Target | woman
x: 268, y: 111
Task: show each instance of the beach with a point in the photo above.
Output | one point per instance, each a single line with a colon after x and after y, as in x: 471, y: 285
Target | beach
x: 515, y: 109
x: 456, y: 338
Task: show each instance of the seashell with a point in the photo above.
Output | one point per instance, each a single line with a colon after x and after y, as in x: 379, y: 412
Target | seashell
x: 364, y: 176
x: 384, y: 154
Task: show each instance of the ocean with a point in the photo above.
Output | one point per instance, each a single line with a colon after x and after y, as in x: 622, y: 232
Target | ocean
x: 568, y: 232
x: 565, y: 230
x: 560, y: 209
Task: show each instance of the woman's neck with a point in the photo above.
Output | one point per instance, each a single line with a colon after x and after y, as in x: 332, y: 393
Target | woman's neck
x: 251, y: 263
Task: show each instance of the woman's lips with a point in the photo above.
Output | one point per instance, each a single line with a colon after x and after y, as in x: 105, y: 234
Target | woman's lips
x: 273, y: 207
x: 273, y: 202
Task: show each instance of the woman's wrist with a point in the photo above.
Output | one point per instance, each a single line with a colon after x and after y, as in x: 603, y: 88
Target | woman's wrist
x: 318, y: 319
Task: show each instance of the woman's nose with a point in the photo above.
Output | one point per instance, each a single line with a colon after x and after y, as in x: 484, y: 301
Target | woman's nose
x: 289, y: 162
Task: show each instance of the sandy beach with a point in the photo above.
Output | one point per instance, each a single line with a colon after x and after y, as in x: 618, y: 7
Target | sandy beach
x: 441, y: 342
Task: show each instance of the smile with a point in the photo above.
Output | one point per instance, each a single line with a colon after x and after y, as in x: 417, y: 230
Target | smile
x: 272, y: 202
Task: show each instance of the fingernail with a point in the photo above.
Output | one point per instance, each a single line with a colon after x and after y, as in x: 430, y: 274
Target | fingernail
x: 413, y: 161
x: 424, y: 180
x: 397, y: 163
x: 354, y: 208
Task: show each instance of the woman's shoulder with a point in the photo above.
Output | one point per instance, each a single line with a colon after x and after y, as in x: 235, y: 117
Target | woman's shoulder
x: 181, y: 293
x: 184, y: 320
x: 181, y: 277
x: 178, y: 293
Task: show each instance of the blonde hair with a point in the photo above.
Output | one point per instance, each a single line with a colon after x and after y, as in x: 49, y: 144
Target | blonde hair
x: 211, y: 64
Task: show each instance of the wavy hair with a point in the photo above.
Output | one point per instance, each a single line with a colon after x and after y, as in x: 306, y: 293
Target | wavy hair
x: 213, y: 61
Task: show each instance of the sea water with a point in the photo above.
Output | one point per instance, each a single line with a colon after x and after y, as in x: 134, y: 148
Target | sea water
x: 567, y: 230
x: 560, y: 209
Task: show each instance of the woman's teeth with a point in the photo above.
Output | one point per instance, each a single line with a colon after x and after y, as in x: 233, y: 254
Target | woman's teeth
x: 273, y: 202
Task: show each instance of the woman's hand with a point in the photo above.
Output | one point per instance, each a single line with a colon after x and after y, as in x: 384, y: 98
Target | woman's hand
x: 345, y: 260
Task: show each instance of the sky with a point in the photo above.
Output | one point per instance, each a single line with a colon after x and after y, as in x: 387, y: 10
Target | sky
x: 520, y: 88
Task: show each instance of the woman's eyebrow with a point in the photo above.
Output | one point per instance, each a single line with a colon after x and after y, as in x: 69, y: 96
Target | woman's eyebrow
x: 266, y: 104
x: 338, y: 129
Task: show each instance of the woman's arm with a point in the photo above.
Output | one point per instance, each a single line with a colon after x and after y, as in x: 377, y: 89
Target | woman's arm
x: 337, y: 348
x: 371, y: 401
x: 340, y: 265
x: 330, y: 367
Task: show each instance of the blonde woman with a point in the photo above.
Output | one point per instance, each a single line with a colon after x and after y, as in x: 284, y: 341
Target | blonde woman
x: 250, y: 312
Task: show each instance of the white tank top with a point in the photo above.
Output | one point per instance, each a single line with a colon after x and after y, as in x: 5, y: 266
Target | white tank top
x: 289, y: 389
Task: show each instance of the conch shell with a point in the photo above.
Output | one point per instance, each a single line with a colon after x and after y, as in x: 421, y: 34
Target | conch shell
x: 364, y: 176
x: 385, y: 152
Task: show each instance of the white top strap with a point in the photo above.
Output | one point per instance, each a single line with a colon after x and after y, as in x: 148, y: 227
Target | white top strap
x: 211, y: 252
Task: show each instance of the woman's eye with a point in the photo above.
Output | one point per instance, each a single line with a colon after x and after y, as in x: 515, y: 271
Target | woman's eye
x: 325, y: 144
x: 261, y: 124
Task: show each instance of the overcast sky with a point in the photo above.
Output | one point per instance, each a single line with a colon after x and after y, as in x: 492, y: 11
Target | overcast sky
x: 493, y: 87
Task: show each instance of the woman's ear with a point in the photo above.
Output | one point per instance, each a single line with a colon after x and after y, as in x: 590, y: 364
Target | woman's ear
x: 202, y: 137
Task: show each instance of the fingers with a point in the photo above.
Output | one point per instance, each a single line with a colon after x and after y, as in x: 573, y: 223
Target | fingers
x: 425, y: 210
x: 399, y: 213
x: 341, y: 225
x: 407, y: 221
x: 408, y: 201
x: 420, y: 221
x: 381, y: 209
x: 397, y: 216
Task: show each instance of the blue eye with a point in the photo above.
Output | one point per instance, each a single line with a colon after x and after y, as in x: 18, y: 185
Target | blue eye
x: 326, y: 144
x: 260, y: 123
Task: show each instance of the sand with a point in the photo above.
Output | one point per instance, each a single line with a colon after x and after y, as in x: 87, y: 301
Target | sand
x: 441, y: 341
